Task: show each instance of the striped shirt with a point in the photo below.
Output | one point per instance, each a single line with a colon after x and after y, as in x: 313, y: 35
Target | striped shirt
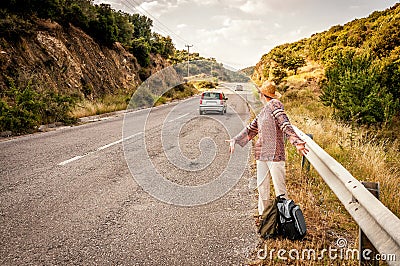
x: 271, y: 124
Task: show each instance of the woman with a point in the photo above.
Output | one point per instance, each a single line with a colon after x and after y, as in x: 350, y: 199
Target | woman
x: 270, y: 125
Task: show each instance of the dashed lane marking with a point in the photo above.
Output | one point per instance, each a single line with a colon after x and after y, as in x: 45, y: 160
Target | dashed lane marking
x: 182, y: 116
x: 98, y: 149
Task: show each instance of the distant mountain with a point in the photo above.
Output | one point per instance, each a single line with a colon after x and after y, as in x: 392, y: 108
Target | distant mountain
x: 248, y: 71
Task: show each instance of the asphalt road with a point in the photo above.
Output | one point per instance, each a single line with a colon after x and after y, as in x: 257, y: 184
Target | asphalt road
x: 74, y: 196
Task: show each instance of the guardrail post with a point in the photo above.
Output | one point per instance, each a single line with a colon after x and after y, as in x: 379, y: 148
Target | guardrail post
x: 364, y: 242
x: 304, y: 162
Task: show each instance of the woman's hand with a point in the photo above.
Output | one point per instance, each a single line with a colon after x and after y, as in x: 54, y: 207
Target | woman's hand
x: 301, y: 149
x: 231, y: 144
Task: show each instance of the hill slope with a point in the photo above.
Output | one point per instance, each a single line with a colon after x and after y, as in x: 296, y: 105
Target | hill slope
x: 379, y: 34
x: 67, y: 61
x: 361, y: 60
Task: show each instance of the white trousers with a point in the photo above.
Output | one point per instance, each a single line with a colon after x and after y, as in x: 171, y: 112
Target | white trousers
x: 265, y: 171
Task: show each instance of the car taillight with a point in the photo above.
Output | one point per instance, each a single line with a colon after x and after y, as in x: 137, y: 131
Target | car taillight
x: 201, y: 101
x: 220, y: 96
x: 221, y: 102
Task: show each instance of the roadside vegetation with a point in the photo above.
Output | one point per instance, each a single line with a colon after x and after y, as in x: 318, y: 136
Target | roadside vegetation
x: 366, y: 153
x: 106, y: 104
x: 23, y: 107
x: 341, y: 86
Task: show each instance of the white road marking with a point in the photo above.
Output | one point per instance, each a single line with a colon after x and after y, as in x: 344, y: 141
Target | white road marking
x: 109, y: 145
x: 72, y: 159
x: 98, y: 149
x: 182, y: 116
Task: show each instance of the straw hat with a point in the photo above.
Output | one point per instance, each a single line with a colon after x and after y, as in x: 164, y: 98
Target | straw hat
x: 268, y: 88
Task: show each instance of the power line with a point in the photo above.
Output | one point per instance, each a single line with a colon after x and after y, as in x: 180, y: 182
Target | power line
x: 166, y: 30
x: 161, y: 27
x: 133, y: 9
x: 165, y: 26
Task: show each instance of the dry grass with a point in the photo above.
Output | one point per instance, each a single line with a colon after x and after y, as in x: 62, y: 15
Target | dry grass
x: 327, y: 221
x: 109, y: 103
x: 119, y: 101
x: 366, y: 157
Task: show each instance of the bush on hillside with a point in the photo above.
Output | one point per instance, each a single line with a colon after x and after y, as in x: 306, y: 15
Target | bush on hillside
x: 22, y: 108
x: 353, y: 88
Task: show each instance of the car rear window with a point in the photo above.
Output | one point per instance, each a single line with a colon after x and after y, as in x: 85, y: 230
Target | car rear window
x: 211, y: 95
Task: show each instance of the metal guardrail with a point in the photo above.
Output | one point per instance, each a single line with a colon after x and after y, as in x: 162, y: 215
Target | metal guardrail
x: 378, y: 223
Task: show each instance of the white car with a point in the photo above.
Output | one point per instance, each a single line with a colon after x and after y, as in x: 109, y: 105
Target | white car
x: 213, y: 101
x: 239, y: 87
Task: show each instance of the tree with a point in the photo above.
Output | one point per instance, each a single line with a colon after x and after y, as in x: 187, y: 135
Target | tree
x: 104, y: 27
x: 52, y: 9
x: 162, y: 45
x: 79, y: 13
x: 125, y: 28
x: 354, y: 90
x: 286, y: 58
x: 387, y: 37
x: 142, y: 26
x: 141, y: 50
x: 294, y: 62
x: 278, y: 74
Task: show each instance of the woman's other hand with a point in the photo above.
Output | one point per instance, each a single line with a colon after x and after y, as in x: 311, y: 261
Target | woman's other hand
x: 231, y: 145
x: 301, y: 149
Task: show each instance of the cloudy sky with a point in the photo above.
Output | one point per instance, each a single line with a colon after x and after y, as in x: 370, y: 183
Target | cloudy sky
x: 238, y: 32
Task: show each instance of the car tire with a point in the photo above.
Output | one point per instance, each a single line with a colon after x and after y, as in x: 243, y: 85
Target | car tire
x: 201, y: 112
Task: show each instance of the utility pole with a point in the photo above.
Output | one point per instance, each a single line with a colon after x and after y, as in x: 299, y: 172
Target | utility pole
x: 188, y: 46
x: 212, y: 61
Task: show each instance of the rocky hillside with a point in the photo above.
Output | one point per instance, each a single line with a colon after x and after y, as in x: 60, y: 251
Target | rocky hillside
x: 68, y: 61
x: 53, y: 71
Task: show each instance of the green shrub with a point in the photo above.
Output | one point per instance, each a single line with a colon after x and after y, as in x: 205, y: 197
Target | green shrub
x: 23, y: 109
x: 354, y: 89
x: 207, y: 85
x: 141, y: 50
